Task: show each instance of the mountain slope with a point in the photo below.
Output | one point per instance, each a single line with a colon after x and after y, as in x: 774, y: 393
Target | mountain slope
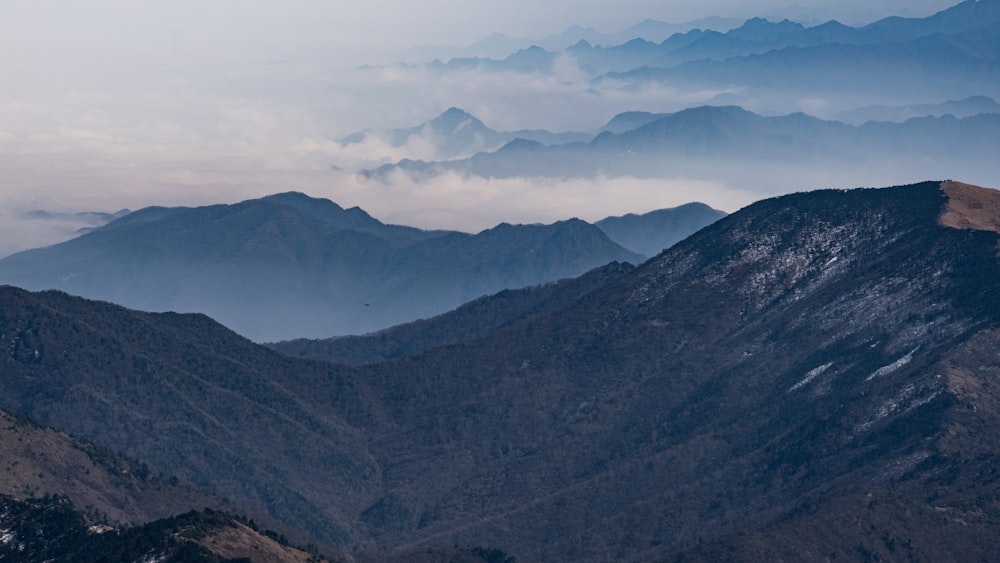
x: 289, y: 265
x: 189, y: 398
x: 651, y: 233
x: 40, y: 461
x: 469, y: 322
x: 802, y: 352
x: 788, y: 348
x: 52, y: 529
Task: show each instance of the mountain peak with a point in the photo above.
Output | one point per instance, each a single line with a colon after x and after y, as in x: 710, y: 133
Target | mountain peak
x: 971, y: 207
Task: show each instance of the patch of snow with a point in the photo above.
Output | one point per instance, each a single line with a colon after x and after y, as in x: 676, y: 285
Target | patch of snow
x: 7, y: 536
x: 884, y: 370
x: 100, y: 529
x: 810, y: 375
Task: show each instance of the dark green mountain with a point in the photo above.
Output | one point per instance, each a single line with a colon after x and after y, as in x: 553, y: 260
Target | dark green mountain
x: 289, y: 265
x: 743, y: 392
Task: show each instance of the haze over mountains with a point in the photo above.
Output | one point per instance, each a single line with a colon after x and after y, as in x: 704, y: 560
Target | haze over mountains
x: 755, y: 101
x: 654, y: 145
x: 961, y: 38
x: 811, y: 376
x: 763, y: 377
x: 290, y: 266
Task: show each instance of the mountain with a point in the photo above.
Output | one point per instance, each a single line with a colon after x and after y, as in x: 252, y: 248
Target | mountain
x: 471, y: 321
x: 652, y: 232
x: 649, y: 46
x: 533, y: 59
x: 647, y: 234
x: 966, y: 107
x: 956, y: 64
x: 53, y: 529
x: 288, y: 265
x: 458, y: 134
x: 813, y: 372
x: 40, y: 461
x: 699, y: 137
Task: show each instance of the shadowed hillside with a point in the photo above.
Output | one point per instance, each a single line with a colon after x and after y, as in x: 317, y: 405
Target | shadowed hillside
x: 738, y: 393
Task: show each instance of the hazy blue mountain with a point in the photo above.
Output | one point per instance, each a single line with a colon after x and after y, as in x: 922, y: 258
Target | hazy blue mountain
x: 651, y: 233
x: 93, y: 218
x: 811, y: 376
x: 476, y: 319
x: 629, y: 53
x: 529, y: 60
x: 966, y: 107
x: 290, y: 266
x: 629, y: 120
x: 457, y: 134
x: 941, y: 65
x: 498, y: 45
x: 700, y: 136
x: 647, y: 234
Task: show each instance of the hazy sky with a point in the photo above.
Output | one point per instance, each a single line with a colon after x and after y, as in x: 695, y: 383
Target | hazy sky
x: 125, y: 103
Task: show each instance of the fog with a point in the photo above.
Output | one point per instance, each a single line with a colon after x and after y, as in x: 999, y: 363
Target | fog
x: 115, y: 104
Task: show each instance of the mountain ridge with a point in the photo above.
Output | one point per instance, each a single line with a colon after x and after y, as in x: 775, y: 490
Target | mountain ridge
x: 289, y: 265
x: 801, y: 352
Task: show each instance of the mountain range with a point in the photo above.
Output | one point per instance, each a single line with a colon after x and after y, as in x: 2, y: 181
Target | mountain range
x: 813, y: 376
x: 457, y: 134
x: 288, y: 265
x: 498, y: 45
x: 644, y: 144
x: 952, y: 43
x: 967, y: 107
x: 771, y: 66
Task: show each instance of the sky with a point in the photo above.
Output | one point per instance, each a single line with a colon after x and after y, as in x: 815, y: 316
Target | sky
x: 112, y: 104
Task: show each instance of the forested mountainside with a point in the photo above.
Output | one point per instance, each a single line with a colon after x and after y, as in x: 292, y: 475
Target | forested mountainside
x: 817, y: 371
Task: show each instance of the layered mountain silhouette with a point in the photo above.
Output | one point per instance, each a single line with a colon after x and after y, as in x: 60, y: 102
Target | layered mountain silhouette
x: 651, y: 144
x: 640, y: 49
x: 457, y: 134
x: 952, y: 54
x: 288, y: 265
x: 967, y: 107
x: 812, y: 376
x: 471, y: 321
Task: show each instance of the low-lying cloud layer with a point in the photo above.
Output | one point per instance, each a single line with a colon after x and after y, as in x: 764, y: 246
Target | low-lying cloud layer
x: 238, y: 103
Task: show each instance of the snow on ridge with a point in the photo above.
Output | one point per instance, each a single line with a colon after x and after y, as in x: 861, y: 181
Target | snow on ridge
x: 884, y: 370
x: 810, y: 375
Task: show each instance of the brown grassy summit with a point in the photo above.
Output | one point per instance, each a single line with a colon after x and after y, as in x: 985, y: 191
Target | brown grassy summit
x: 971, y: 207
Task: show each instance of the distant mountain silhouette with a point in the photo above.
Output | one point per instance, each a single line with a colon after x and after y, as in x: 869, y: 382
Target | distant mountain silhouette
x: 649, y: 144
x: 469, y: 322
x: 646, y: 53
x: 456, y: 133
x: 290, y: 266
x: 812, y: 376
x: 651, y: 233
x: 973, y: 105
x: 942, y: 65
x: 647, y: 234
